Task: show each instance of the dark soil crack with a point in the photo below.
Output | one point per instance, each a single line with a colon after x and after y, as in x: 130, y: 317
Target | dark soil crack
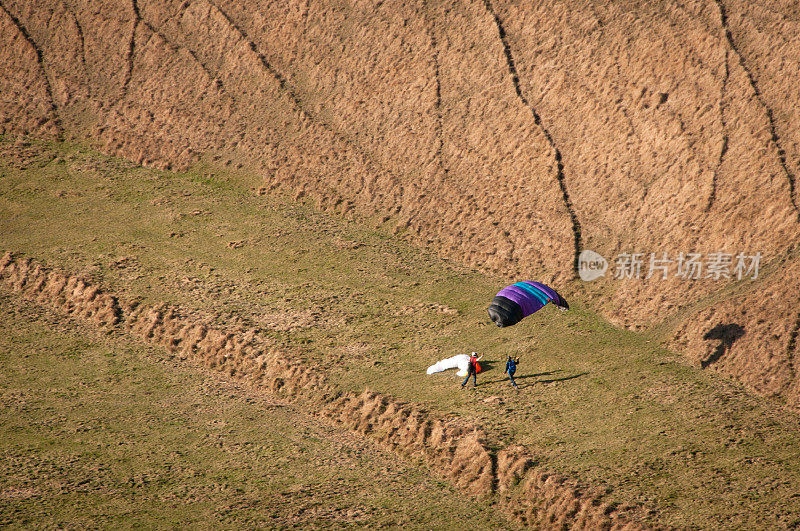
x: 214, y: 79
x: 437, y: 156
x: 282, y: 83
x: 79, y: 30
x: 512, y: 69
x: 129, y: 57
x: 181, y: 11
x: 723, y: 149
x: 791, y: 348
x: 774, y: 138
x: 40, y: 61
x: 363, y: 157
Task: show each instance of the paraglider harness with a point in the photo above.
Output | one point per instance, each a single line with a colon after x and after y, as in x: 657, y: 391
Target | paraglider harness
x: 472, y: 370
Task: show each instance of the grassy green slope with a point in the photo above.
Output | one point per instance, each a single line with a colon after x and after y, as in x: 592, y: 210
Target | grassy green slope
x: 597, y: 403
x: 100, y: 433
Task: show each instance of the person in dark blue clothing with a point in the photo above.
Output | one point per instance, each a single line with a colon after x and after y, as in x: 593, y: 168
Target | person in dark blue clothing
x: 511, y: 368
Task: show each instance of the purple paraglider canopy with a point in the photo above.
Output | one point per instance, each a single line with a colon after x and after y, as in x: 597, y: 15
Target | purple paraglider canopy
x: 517, y: 301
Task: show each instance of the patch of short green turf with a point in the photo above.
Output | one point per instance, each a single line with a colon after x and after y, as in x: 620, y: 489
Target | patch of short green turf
x: 596, y: 403
x: 98, y: 433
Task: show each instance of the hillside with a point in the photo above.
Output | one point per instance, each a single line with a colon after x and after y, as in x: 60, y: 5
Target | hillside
x: 340, y: 321
x: 197, y: 160
x: 105, y: 433
x: 505, y: 137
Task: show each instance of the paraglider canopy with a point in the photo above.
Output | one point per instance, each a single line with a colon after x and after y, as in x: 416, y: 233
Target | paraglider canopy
x: 517, y: 301
x: 460, y: 362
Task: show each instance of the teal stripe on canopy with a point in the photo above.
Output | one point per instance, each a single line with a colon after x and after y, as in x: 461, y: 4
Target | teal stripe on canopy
x: 543, y: 298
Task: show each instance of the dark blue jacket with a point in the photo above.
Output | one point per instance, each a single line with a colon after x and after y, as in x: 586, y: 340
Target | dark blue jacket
x: 511, y: 367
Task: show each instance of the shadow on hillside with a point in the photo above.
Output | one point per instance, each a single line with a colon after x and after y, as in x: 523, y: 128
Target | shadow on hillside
x: 487, y: 365
x: 517, y: 378
x: 726, y: 335
x: 536, y: 375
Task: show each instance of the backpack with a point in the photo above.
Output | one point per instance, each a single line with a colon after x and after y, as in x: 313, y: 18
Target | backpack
x: 474, y: 366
